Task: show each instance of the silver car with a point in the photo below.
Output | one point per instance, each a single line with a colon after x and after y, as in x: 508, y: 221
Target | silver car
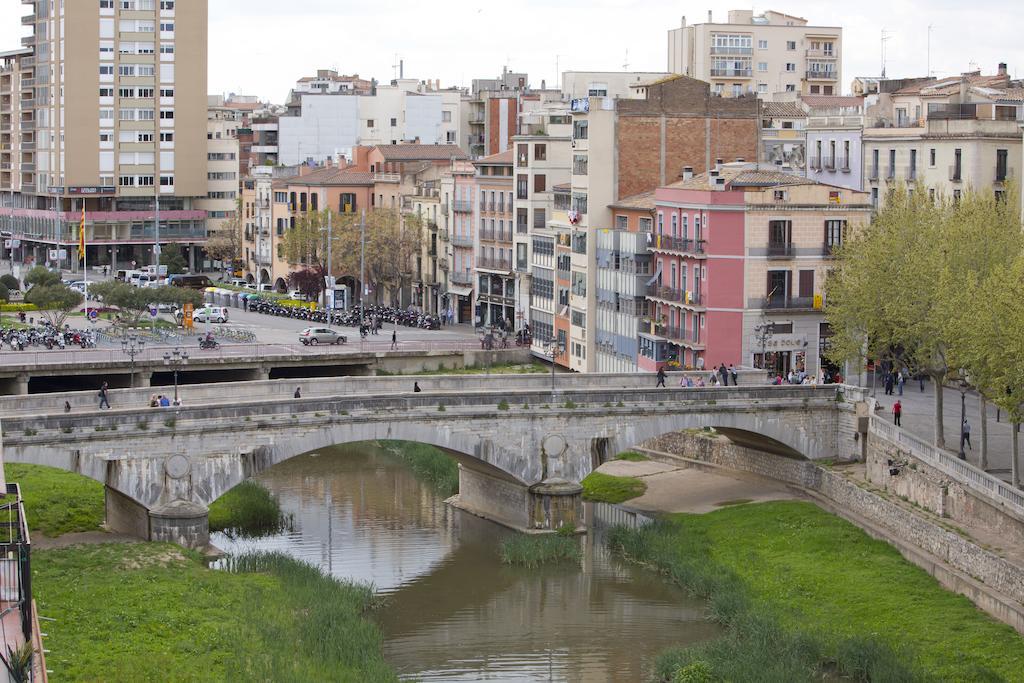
x: 311, y: 336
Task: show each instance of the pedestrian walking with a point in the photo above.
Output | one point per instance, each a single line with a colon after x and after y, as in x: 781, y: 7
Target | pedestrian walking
x: 104, y: 403
x: 966, y: 429
x: 416, y: 388
x: 394, y: 339
x: 899, y: 383
x: 165, y: 402
x: 920, y: 378
x: 298, y: 392
x: 723, y: 375
x: 897, y: 413
x: 661, y: 378
x: 154, y: 402
x: 67, y: 406
x: 734, y: 375
x: 888, y: 384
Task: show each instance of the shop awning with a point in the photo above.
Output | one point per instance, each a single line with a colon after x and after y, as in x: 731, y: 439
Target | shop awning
x: 461, y: 291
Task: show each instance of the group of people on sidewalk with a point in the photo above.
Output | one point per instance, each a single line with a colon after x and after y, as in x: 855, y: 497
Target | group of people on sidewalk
x: 719, y: 377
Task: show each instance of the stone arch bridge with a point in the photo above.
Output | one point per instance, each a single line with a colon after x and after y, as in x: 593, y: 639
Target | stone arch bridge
x: 522, y: 450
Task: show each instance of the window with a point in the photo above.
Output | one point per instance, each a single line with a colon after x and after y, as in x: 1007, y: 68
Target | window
x: 762, y: 88
x: 166, y: 27
x: 369, y: 123
x: 790, y: 87
x: 539, y: 183
x: 1001, y: 159
x: 834, y: 231
x: 762, y: 45
x: 579, y: 130
x: 126, y: 181
x: 540, y: 152
x: 167, y: 48
x: 394, y: 123
x: 146, y: 70
x: 579, y: 164
x: 166, y: 137
x: 166, y: 92
x: 762, y: 67
x: 124, y: 70
x: 931, y: 157
x: 579, y: 284
x: 522, y: 185
x: 446, y: 117
x: 106, y: 92
x: 646, y: 225
x: 522, y: 156
x: 166, y: 114
x: 597, y: 90
x: 790, y: 66
x: 790, y: 45
x: 622, y: 222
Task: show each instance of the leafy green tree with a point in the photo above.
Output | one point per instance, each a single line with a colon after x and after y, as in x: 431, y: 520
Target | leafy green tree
x: 5, y: 294
x: 134, y: 302
x: 55, y: 301
x: 172, y: 258
x: 41, y: 276
x: 225, y: 244
x: 10, y: 282
x: 897, y: 284
x: 308, y: 281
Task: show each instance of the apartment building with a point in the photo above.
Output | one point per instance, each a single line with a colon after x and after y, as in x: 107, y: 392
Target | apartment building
x: 258, y: 249
x: 495, y: 279
x: 580, y: 84
x: 425, y: 204
x: 223, y: 168
x: 628, y: 146
x: 624, y: 274
x: 784, y: 135
x: 330, y: 82
x: 835, y: 133
x: 327, y: 124
x: 462, y: 241
x: 17, y: 130
x: 740, y: 256
x: 947, y: 135
x: 493, y: 106
x: 118, y: 117
x: 763, y: 53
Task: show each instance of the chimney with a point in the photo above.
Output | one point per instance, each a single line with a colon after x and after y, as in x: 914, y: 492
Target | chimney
x: 401, y: 68
x: 683, y: 22
x: 964, y: 87
x: 1002, y: 69
x: 709, y: 17
x: 687, y: 172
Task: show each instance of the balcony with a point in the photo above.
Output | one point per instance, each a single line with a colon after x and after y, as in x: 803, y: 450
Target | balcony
x: 444, y: 209
x: 890, y: 173
x: 443, y: 265
x: 828, y: 163
x: 677, y: 296
x: 731, y: 73
x: 814, y: 163
x: 463, y: 277
x: 780, y: 250
x: 954, y: 173
x: 1003, y: 175
x: 873, y: 173
x: 718, y: 50
x: 476, y: 140
x: 522, y: 227
x: 678, y: 244
x: 462, y: 241
x: 821, y: 54
x: 459, y: 206
x: 789, y: 303
x: 502, y: 265
x: 442, y: 234
x: 678, y: 335
x: 843, y: 163
x: 816, y: 75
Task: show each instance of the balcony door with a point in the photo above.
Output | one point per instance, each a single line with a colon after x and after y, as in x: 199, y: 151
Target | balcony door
x: 779, y: 284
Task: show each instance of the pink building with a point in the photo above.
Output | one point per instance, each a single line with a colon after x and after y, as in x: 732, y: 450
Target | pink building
x: 696, y: 304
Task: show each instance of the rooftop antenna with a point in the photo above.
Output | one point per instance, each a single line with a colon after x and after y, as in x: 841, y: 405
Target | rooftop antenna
x: 625, y: 65
x: 397, y: 66
x: 885, y: 37
x: 928, y: 72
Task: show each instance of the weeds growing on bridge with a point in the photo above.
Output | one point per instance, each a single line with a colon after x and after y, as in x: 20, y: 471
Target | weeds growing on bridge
x: 605, y: 488
x: 806, y: 595
x: 530, y: 551
x: 249, y: 509
x: 428, y: 463
x: 58, y: 502
x: 632, y: 456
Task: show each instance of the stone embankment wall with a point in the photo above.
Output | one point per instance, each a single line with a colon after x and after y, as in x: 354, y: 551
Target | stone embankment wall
x: 993, y: 583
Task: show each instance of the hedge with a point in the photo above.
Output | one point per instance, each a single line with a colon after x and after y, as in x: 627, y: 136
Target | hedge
x: 18, y: 308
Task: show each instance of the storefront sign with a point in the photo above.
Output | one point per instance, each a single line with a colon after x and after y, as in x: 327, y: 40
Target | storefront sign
x: 781, y: 342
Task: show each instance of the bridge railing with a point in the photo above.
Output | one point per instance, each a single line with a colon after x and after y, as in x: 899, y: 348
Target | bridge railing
x: 962, y: 471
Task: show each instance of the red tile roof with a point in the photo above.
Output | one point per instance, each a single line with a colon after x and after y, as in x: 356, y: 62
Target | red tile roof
x: 416, y: 152
x: 642, y: 201
x: 499, y: 158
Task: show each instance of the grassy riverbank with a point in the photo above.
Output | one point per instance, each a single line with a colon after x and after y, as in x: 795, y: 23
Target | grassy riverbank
x: 249, y: 509
x: 605, y: 488
x: 58, y: 502
x: 153, y: 612
x: 803, y: 593
x: 428, y: 463
x: 495, y: 369
x: 523, y: 550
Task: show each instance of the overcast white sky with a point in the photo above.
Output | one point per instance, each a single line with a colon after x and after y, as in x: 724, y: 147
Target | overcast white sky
x: 261, y: 47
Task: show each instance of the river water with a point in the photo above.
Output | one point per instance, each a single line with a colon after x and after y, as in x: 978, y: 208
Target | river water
x: 454, y: 612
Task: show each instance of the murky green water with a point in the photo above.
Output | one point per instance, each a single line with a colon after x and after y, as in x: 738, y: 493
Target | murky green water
x: 454, y: 612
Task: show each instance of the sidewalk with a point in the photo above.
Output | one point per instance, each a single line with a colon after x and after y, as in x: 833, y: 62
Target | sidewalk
x: 918, y: 419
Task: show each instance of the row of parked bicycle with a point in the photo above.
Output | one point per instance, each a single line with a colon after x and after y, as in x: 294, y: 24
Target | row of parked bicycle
x: 374, y: 316
x: 47, y: 337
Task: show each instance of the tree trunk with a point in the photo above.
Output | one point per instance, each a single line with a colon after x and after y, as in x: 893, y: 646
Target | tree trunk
x: 940, y: 433
x: 1014, y: 470
x: 984, y: 434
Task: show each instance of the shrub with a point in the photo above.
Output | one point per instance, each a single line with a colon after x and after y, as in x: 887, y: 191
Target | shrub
x: 533, y: 551
x: 503, y: 405
x: 249, y: 509
x: 18, y: 308
x: 10, y: 282
x: 632, y: 456
x: 604, y: 488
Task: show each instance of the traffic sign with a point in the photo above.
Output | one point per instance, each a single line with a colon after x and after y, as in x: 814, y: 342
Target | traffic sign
x: 93, y: 314
x: 152, y: 311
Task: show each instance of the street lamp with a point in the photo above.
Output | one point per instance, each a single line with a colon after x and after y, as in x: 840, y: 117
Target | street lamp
x: 554, y: 350
x: 962, y: 385
x: 176, y: 359
x: 132, y: 345
x: 762, y: 333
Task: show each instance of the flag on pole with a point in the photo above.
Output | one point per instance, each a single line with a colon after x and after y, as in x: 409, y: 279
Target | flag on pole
x: 81, y: 236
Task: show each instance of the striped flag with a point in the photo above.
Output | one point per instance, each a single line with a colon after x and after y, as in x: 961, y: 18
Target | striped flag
x: 81, y: 236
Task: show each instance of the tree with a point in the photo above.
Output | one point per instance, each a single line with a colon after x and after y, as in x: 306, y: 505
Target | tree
x: 306, y: 243
x: 309, y: 281
x: 41, y: 276
x: 175, y: 262
x: 225, y: 243
x: 5, y: 293
x: 10, y: 282
x: 893, y: 291
x: 55, y: 301
x: 134, y: 302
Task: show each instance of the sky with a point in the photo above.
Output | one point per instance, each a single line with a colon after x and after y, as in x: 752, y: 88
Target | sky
x: 261, y: 47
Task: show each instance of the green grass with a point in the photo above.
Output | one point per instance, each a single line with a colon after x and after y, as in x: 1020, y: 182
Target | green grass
x: 803, y: 593
x: 632, y: 456
x: 249, y: 509
x: 604, y: 488
x: 496, y: 369
x: 58, y: 502
x: 522, y: 550
x: 428, y: 463
x: 153, y: 612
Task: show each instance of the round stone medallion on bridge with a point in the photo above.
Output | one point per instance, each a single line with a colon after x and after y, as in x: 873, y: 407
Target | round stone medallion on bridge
x: 177, y: 466
x: 554, y: 444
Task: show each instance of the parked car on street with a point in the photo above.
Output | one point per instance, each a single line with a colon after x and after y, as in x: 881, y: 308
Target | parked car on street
x: 213, y: 314
x: 311, y: 336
